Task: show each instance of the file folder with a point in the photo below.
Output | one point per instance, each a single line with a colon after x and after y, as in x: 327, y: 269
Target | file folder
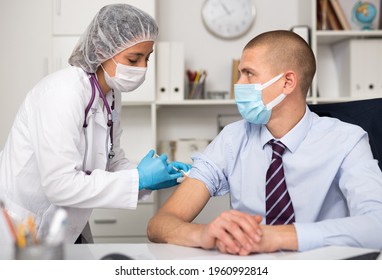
x: 177, y: 71
x: 359, y: 64
x: 170, y: 71
x: 163, y: 70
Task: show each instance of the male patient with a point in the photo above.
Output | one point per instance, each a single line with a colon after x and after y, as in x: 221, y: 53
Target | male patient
x: 297, y: 181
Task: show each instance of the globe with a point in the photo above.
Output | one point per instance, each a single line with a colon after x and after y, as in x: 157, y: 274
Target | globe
x: 363, y: 14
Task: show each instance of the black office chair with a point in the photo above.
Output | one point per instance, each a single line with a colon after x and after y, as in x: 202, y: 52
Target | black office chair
x: 365, y: 113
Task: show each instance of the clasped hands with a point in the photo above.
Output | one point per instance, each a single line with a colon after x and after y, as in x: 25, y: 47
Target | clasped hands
x: 238, y: 233
x: 155, y: 173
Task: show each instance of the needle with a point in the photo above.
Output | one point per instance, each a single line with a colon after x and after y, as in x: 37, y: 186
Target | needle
x: 179, y: 170
x: 173, y: 167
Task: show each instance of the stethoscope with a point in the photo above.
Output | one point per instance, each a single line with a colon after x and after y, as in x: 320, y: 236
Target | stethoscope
x: 94, y: 84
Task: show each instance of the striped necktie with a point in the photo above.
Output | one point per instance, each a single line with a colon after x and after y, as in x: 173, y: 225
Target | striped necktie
x: 279, y: 207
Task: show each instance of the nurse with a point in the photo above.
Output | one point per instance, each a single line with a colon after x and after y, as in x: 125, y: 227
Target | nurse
x: 64, y: 147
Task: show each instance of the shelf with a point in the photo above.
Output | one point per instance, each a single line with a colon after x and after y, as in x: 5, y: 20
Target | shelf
x: 198, y: 102
x: 136, y: 103
x: 343, y: 99
x: 328, y: 37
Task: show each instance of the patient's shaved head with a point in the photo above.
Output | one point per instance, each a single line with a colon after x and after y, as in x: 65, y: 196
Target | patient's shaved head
x: 285, y: 50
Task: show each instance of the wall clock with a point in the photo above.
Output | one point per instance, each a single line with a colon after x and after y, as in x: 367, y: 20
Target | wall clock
x: 228, y: 19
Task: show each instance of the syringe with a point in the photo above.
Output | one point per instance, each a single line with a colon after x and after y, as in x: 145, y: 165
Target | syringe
x: 173, y: 167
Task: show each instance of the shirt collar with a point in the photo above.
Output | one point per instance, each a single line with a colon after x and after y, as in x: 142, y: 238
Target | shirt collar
x: 294, y: 137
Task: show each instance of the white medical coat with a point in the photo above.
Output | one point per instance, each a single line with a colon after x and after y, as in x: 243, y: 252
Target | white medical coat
x: 41, y: 163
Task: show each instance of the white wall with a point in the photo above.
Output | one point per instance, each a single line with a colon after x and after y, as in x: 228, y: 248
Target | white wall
x: 24, y: 37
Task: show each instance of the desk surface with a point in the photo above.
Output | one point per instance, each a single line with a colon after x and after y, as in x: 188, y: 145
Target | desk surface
x: 153, y: 251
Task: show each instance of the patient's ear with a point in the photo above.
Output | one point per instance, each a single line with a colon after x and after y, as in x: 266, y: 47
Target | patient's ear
x: 290, y: 81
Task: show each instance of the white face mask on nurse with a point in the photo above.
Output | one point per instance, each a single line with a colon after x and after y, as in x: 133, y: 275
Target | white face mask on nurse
x: 126, y: 71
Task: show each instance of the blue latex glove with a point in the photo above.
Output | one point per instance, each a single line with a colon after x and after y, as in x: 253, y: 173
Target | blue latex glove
x: 171, y: 183
x: 155, y: 172
x: 163, y: 185
x: 177, y: 165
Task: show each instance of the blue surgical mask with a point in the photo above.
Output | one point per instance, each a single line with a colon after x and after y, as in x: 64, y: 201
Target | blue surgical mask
x: 249, y: 101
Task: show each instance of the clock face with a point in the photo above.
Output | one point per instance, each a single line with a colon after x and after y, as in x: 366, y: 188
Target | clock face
x: 228, y: 19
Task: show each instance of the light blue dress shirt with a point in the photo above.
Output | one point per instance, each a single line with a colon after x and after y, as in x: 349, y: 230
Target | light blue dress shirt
x: 334, y: 182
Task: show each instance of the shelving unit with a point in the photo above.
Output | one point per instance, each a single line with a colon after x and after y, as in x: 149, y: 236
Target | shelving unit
x: 168, y: 120
x: 325, y: 87
x: 327, y: 37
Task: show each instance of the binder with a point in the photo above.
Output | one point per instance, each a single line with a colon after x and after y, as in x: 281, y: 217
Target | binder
x: 170, y: 71
x: 163, y: 72
x: 177, y: 71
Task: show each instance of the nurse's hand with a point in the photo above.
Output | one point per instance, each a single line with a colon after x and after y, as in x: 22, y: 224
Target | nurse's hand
x: 180, y: 166
x: 171, y: 183
x: 156, y: 173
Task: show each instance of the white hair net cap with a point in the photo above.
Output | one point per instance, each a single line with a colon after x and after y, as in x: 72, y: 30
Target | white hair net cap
x: 115, y: 28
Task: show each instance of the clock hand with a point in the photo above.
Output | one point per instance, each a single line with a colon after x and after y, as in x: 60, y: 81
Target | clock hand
x: 225, y: 8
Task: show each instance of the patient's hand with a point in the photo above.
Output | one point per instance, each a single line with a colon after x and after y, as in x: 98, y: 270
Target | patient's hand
x: 232, y: 232
x: 274, y: 238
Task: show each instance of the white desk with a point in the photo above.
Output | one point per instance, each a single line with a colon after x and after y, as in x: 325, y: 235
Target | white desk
x: 170, y: 260
x: 153, y: 251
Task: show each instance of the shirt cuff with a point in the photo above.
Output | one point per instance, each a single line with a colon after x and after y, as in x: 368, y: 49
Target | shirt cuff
x: 309, y: 236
